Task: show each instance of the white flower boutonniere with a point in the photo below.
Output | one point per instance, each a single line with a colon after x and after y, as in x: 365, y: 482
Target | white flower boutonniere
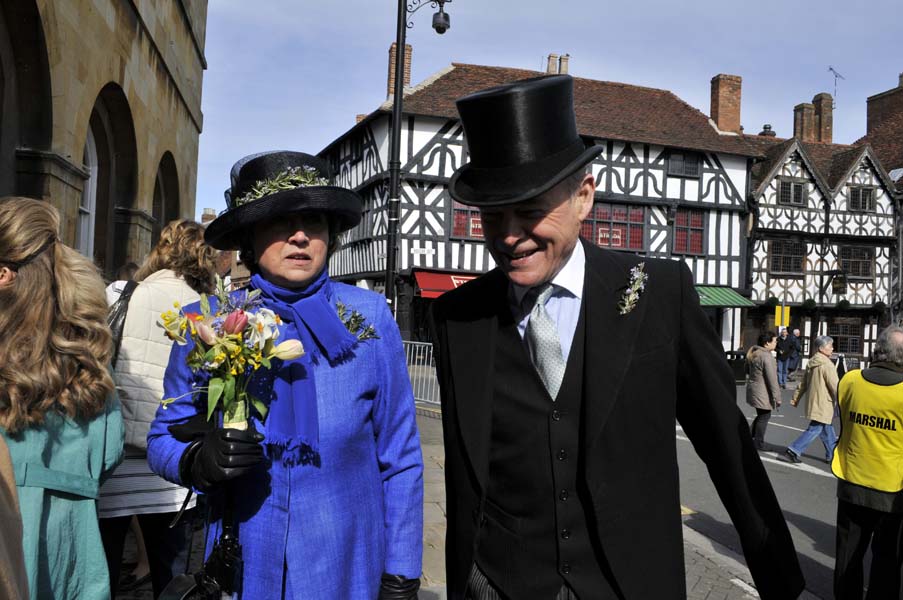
x: 635, y: 288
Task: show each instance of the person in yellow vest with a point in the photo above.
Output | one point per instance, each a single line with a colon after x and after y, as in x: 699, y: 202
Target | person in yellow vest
x: 868, y: 463
x: 819, y: 389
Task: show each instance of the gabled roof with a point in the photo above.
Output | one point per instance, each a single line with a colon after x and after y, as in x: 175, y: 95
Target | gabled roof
x: 604, y: 109
x: 830, y: 164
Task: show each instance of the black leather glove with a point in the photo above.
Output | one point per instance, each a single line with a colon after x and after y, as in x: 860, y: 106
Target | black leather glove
x: 396, y: 587
x: 220, y: 455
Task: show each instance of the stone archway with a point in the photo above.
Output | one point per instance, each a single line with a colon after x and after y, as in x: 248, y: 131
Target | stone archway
x: 114, y: 177
x: 26, y: 110
x: 166, y: 195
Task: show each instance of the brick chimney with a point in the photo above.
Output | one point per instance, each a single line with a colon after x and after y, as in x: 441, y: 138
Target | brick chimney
x: 883, y: 106
x: 552, y: 64
x: 824, y: 117
x: 208, y: 215
x: 564, y: 63
x: 804, y: 122
x: 390, y: 88
x: 726, y: 102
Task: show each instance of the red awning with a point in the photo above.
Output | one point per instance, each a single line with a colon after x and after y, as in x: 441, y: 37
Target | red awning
x: 433, y: 284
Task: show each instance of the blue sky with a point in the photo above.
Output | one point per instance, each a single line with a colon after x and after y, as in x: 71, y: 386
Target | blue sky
x: 292, y: 74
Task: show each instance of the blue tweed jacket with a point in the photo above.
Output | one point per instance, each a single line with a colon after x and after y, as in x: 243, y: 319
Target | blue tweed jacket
x: 330, y: 527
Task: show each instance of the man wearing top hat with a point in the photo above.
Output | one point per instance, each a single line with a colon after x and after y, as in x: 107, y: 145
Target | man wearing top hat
x: 563, y: 372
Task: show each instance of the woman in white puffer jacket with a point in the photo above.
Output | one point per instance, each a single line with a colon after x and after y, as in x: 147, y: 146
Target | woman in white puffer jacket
x: 178, y: 269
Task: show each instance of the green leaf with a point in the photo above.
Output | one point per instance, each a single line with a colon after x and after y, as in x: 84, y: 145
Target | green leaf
x: 205, y: 305
x: 229, y: 391
x: 259, y: 406
x: 214, y: 391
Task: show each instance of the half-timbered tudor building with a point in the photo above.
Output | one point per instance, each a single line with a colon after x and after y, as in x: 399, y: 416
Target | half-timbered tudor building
x: 884, y: 133
x: 824, y: 233
x: 671, y: 183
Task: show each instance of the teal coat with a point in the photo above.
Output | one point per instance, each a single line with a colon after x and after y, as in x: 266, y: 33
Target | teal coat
x: 58, y: 468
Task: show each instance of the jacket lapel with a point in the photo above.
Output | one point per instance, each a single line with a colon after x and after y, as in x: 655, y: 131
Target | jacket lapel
x: 610, y: 336
x: 471, y: 354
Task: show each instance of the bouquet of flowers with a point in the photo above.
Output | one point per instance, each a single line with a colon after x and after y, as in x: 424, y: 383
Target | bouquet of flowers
x: 230, y: 344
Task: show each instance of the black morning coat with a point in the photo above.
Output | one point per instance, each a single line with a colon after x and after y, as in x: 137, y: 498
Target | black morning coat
x: 658, y: 364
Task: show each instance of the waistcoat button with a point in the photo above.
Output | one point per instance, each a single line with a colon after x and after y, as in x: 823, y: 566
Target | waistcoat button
x: 563, y: 495
x: 562, y: 454
x: 565, y: 534
x: 556, y: 416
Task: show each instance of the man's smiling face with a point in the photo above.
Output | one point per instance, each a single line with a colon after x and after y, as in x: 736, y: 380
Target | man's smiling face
x: 532, y: 240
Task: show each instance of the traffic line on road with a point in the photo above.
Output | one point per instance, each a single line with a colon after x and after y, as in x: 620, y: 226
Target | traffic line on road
x: 764, y: 458
x: 778, y: 424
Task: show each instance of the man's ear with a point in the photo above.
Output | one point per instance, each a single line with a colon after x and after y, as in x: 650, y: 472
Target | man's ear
x: 7, y: 276
x: 586, y: 195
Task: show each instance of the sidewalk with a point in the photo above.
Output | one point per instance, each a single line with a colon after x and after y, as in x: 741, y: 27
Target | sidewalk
x: 713, y: 571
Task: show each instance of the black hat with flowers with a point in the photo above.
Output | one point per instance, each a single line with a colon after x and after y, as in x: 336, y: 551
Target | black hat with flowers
x: 272, y: 184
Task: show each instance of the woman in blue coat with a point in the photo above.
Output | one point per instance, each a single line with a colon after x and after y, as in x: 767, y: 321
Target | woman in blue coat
x: 328, y: 488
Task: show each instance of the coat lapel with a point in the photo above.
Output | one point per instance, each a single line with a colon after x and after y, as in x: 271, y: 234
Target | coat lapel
x: 471, y: 353
x: 610, y: 336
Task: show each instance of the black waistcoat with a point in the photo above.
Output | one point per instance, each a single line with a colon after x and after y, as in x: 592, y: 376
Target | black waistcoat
x: 534, y: 534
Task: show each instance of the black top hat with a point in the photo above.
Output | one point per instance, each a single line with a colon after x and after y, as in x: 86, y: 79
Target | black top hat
x: 522, y: 139
x: 276, y: 183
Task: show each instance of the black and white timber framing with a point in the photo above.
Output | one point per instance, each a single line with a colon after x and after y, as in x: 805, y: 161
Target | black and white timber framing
x: 826, y: 225
x: 633, y: 174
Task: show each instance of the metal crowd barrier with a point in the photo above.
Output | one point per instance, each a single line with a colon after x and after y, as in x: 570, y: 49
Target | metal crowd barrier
x: 422, y: 371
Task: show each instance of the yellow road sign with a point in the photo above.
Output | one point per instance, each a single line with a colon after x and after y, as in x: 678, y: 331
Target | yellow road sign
x: 782, y: 316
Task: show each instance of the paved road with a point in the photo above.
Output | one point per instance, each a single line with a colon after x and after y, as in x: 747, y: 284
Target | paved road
x: 806, y: 493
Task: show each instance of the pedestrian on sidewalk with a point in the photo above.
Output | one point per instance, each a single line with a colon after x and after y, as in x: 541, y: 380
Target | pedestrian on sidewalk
x: 818, y: 389
x: 870, y: 484
x: 327, y: 488
x: 177, y: 270
x: 796, y: 354
x: 562, y: 372
x: 59, y: 413
x: 762, y: 390
x: 784, y: 350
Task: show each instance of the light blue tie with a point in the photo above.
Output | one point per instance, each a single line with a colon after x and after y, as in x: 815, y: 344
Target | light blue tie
x: 543, y: 343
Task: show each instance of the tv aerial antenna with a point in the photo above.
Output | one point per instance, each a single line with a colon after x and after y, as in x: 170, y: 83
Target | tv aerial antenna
x: 836, y: 77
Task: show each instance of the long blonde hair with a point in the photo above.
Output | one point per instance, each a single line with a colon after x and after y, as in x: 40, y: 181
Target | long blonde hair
x: 182, y: 249
x: 56, y: 343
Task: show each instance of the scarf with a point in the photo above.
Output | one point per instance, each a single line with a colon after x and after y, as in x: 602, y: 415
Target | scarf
x: 310, y: 316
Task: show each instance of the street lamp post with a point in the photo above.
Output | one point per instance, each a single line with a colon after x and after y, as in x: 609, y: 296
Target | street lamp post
x: 441, y: 23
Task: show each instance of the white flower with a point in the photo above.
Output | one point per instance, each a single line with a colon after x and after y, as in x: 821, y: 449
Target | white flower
x: 262, y: 327
x: 288, y: 350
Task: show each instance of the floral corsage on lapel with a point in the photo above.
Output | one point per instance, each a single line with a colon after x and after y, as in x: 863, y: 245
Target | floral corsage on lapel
x: 634, y: 289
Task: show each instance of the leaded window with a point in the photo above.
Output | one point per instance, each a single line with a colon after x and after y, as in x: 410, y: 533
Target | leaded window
x: 847, y: 335
x: 466, y: 222
x: 683, y: 164
x: 793, y: 192
x: 862, y: 198
x: 786, y: 257
x: 857, y: 262
x: 616, y: 226
x: 689, y: 231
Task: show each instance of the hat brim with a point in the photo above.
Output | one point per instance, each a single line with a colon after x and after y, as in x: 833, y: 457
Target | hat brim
x: 499, y: 186
x: 226, y: 231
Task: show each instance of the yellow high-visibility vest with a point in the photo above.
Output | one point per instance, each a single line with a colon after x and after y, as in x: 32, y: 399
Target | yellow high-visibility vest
x: 870, y: 450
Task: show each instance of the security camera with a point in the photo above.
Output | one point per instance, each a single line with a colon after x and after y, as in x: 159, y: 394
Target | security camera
x: 441, y: 21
